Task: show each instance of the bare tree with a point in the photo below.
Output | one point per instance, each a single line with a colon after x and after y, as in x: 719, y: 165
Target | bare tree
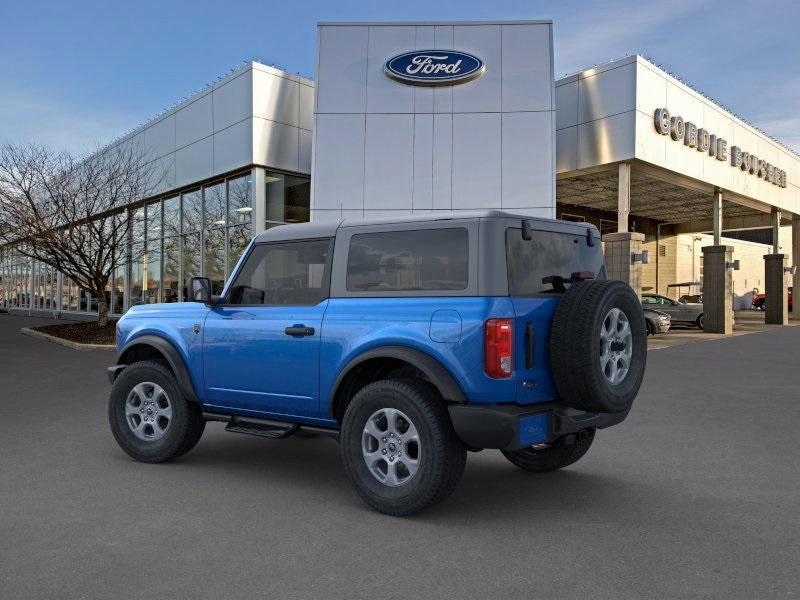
x: 70, y: 213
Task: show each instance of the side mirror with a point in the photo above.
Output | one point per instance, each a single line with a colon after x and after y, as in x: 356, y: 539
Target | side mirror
x: 200, y: 290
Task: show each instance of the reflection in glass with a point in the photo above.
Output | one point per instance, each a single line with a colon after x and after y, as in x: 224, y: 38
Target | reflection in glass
x: 154, y: 220
x: 215, y: 259
x: 191, y: 259
x: 239, y: 207
x: 170, y: 276
x: 215, y: 204
x: 192, y: 211
x: 65, y: 294
x: 288, y: 198
x: 151, y: 262
x: 275, y: 200
x: 136, y: 283
x: 137, y: 225
x: 172, y: 216
x: 73, y: 295
x: 238, y: 238
x: 118, y: 290
x: 298, y: 199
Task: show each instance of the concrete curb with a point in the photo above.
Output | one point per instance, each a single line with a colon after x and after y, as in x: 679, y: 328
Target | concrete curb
x: 57, y: 340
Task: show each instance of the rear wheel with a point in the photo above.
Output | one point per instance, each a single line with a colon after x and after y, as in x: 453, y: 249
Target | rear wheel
x: 399, y: 448
x: 700, y: 321
x: 150, y: 418
x: 551, y: 457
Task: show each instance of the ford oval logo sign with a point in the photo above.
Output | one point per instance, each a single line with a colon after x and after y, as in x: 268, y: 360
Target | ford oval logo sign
x: 434, y: 67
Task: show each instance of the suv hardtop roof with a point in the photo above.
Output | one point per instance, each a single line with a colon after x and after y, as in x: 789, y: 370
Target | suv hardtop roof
x: 328, y: 229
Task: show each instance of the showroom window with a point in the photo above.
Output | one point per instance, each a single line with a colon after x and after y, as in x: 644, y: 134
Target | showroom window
x: 288, y: 199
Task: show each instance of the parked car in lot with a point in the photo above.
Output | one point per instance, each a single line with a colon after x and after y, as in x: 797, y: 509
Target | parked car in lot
x: 680, y: 312
x: 410, y: 340
x: 760, y: 300
x: 657, y: 321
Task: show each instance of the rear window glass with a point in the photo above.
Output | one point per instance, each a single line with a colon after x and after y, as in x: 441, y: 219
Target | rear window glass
x: 427, y: 260
x: 545, y: 255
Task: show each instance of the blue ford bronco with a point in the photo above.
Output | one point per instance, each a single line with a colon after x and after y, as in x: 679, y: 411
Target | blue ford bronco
x: 410, y: 340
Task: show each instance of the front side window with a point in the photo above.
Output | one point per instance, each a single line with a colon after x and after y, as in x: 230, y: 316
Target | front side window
x: 428, y: 260
x: 288, y: 273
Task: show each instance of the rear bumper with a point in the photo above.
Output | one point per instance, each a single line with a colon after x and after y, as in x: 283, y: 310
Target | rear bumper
x: 510, y: 426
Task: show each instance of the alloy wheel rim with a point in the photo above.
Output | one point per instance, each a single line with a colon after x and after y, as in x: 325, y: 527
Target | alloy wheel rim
x: 616, y: 346
x: 148, y: 411
x: 391, y: 447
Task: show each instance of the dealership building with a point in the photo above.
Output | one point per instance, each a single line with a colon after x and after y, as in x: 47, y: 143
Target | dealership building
x: 443, y: 117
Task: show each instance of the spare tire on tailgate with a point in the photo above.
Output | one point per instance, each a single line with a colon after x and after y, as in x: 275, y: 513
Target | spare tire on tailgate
x: 598, y: 346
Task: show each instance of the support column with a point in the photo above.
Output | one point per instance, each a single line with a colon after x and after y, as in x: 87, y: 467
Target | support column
x: 717, y: 288
x: 259, y: 200
x: 776, y: 230
x: 623, y: 197
x: 618, y: 253
x: 777, y: 310
x: 796, y: 263
x: 717, y: 217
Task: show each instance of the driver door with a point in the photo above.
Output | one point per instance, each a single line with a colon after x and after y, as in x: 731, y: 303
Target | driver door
x: 261, y: 345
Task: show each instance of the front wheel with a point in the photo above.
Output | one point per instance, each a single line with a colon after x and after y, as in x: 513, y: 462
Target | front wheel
x: 149, y: 416
x: 399, y: 448
x: 700, y: 321
x: 554, y: 456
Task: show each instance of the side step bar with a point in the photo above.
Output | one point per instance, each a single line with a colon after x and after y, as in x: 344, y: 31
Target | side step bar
x: 265, y: 427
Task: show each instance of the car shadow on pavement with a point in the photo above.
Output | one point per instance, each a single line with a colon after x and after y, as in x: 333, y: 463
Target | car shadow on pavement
x: 312, y: 467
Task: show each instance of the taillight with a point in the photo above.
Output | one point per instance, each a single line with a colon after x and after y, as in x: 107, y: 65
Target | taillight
x: 497, y: 348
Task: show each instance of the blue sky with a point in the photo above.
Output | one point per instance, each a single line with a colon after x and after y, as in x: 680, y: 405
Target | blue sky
x: 75, y: 74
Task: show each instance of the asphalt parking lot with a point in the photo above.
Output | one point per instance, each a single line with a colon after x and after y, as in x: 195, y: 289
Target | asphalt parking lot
x: 696, y: 495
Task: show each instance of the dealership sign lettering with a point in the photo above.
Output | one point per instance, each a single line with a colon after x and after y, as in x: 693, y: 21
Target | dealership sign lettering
x: 706, y: 142
x: 434, y: 67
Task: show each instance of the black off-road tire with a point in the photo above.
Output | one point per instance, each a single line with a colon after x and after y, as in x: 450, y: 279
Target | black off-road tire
x: 442, y: 455
x: 186, y: 424
x: 575, y: 346
x: 557, y: 456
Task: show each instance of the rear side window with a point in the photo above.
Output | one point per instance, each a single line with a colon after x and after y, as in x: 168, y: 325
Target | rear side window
x: 545, y: 255
x: 291, y: 273
x: 427, y: 260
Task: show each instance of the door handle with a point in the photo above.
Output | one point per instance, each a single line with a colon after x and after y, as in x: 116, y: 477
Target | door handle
x: 299, y: 330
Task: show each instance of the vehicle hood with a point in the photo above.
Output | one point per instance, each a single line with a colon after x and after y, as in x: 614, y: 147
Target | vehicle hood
x: 170, y: 310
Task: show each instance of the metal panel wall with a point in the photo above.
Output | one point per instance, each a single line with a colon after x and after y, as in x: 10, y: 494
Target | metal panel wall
x: 596, y: 116
x: 606, y: 115
x: 383, y: 147
x: 256, y: 115
x: 657, y: 89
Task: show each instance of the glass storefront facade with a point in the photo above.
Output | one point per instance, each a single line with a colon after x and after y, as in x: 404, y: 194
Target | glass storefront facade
x: 201, y: 231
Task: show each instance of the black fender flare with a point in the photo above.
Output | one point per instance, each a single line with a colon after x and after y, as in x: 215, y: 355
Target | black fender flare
x: 172, y: 356
x: 438, y: 375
